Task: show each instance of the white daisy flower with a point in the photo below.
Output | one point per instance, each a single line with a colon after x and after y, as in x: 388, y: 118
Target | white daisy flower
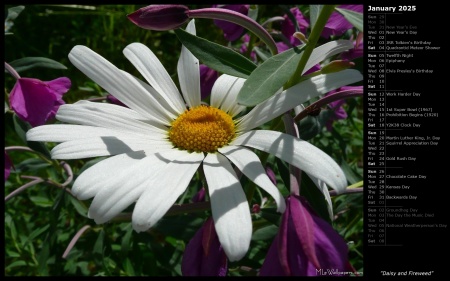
x: 158, y: 143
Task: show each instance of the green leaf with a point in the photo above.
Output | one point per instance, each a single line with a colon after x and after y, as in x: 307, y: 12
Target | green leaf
x: 31, y: 164
x: 41, y: 201
x: 264, y: 55
x: 6, y: 107
x: 271, y: 215
x: 315, y: 197
x: 35, y: 234
x: 350, y: 174
x: 15, y: 264
x: 355, y: 18
x: 79, y: 206
x: 269, y: 77
x: 215, y: 56
x: 98, y: 246
x: 265, y: 233
x: 126, y: 241
x: 309, y: 127
x: 253, y: 12
x: 14, y: 12
x: 21, y: 127
x: 314, y: 12
x: 32, y: 62
x: 128, y: 267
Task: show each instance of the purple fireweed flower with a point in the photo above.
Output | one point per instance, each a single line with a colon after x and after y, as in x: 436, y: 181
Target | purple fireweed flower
x: 167, y: 17
x: 8, y: 165
x: 160, y: 17
x: 336, y: 107
x: 288, y: 29
x: 231, y: 31
x: 37, y: 101
x: 207, y: 78
x: 305, y: 244
x: 204, y: 256
x: 337, y: 24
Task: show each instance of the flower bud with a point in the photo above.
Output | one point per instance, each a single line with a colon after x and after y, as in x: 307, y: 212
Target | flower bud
x: 336, y: 66
x: 160, y: 17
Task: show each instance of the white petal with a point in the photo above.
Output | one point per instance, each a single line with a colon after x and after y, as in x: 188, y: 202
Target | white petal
x: 327, y: 50
x: 297, y: 152
x: 89, y: 182
x: 324, y: 189
x: 158, y: 105
x: 63, y: 132
x: 156, y: 75
x: 129, y: 184
x: 105, y: 146
x: 111, y: 116
x: 189, y: 73
x: 250, y: 165
x: 224, y: 94
x: 163, y: 190
x: 229, y: 206
x: 112, y: 109
x: 281, y: 103
x: 123, y: 86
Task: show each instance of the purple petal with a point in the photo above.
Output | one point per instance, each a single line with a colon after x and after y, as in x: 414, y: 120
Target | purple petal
x: 231, y: 31
x: 195, y: 262
x: 37, y: 101
x: 199, y: 196
x: 207, y: 78
x: 283, y: 242
x: 271, y: 265
x: 337, y: 24
x: 8, y: 165
x: 331, y: 248
x: 160, y: 17
x: 304, y: 229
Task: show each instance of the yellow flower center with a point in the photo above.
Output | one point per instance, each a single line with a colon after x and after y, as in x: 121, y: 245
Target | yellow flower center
x: 202, y: 129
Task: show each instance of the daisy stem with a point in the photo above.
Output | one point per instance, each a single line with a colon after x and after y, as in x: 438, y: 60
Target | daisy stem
x: 294, y: 172
x: 312, y: 41
x: 239, y: 19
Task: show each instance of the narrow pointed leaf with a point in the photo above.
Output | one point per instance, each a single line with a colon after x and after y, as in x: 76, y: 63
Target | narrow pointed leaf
x: 264, y: 55
x: 269, y: 77
x: 314, y: 11
x: 32, y: 62
x: 355, y: 18
x: 217, y: 57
